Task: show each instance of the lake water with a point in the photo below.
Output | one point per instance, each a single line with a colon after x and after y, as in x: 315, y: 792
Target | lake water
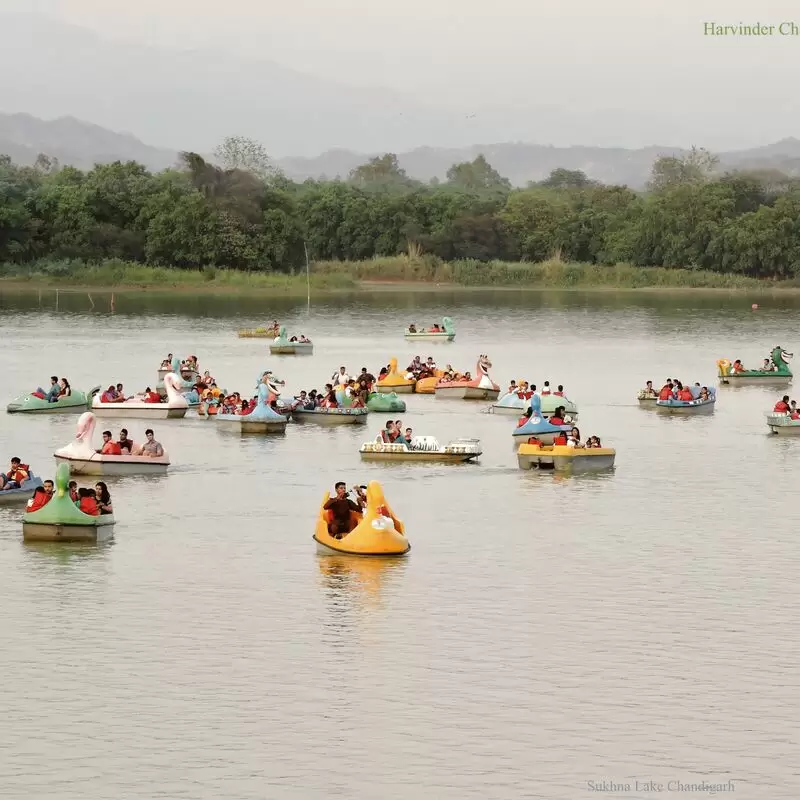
x: 544, y: 634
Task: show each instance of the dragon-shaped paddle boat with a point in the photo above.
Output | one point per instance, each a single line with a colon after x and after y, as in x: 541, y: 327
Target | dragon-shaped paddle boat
x: 393, y: 381
x: 696, y: 406
x: 284, y: 346
x: 782, y: 424
x: 735, y: 375
x: 481, y: 387
x: 25, y: 490
x: 421, y: 448
x: 260, y: 333
x: 175, y: 406
x: 385, y: 403
x: 82, y: 459
x: 62, y: 521
x: 538, y: 427
x: 519, y: 402
x: 445, y: 333
x: 374, y: 532
x: 37, y: 403
x: 564, y: 458
x: 263, y: 418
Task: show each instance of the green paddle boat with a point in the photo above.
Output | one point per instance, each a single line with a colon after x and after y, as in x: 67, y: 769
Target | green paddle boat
x: 386, y: 403
x: 284, y: 346
x: 61, y: 520
x: 33, y: 404
x: 445, y: 332
x: 775, y: 371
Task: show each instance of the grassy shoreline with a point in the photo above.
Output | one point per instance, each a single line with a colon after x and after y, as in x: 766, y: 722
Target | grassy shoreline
x: 396, y: 274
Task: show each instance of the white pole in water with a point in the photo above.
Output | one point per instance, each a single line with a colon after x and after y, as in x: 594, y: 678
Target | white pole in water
x: 308, y: 277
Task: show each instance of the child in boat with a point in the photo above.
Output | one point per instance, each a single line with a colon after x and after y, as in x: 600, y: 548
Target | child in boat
x: 412, y: 328
x: 17, y: 474
x: 557, y: 417
x: 167, y: 362
x: 546, y: 388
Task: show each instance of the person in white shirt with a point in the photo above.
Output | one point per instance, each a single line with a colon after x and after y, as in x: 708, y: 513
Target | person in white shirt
x: 342, y: 378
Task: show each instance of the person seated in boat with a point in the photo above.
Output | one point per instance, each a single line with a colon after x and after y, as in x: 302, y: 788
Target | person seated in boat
x: 666, y: 391
x: 304, y: 339
x: 110, y: 447
x: 341, y: 506
x: 72, y: 489
x: 526, y: 390
x: 360, y: 493
x: 574, y: 438
x: 793, y: 412
x: 408, y: 435
x: 430, y: 364
x: 525, y: 417
x: 561, y: 439
x: 467, y: 376
x: 767, y: 366
x: 120, y: 394
x: 535, y: 440
x: 559, y: 391
x: 387, y: 434
x: 512, y: 387
x: 367, y: 377
x: 293, y: 339
x: 546, y: 388
x: 65, y: 388
x: 329, y: 400
x: 436, y: 328
x: 737, y: 366
x: 125, y: 444
x: 341, y: 378
x: 150, y: 396
x: 167, y: 362
x: 103, y: 498
x: 415, y: 366
x: 704, y: 394
x: 648, y: 390
x: 39, y: 500
x: 782, y: 406
x: 207, y: 379
x: 685, y: 394
x: 87, y: 502
x: 358, y: 401
x: 49, y: 487
x: 191, y: 364
x: 151, y: 448
x: 383, y: 373
x: 53, y: 391
x: 109, y: 395
x: 17, y: 474
x: 558, y: 416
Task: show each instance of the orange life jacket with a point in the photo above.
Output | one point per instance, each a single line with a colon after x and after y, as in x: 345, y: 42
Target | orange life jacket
x: 89, y: 506
x: 20, y: 474
x: 685, y: 395
x: 38, y: 501
x: 535, y: 441
x: 560, y: 439
x: 521, y: 421
x: 781, y: 406
x: 111, y: 449
x: 665, y: 393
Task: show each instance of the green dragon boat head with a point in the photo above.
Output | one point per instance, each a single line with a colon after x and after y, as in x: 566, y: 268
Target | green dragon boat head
x: 448, y: 326
x: 779, y: 356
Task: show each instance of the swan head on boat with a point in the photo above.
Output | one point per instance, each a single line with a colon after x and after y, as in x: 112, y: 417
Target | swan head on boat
x: 172, y: 383
x: 81, y: 445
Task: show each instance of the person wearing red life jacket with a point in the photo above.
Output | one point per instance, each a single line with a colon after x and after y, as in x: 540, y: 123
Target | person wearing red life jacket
x: 666, y: 391
x: 782, y: 406
x: 685, y: 394
x: 559, y: 391
x: 546, y: 388
x: 17, y: 474
x: 39, y: 500
x: 524, y: 418
x: 110, y: 447
x: 87, y: 502
x: 561, y: 439
x: 151, y: 397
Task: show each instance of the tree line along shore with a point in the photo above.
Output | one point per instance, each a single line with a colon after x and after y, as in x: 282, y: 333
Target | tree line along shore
x: 238, y: 224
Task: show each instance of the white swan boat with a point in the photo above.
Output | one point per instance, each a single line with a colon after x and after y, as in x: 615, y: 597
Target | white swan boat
x: 175, y: 406
x: 82, y: 459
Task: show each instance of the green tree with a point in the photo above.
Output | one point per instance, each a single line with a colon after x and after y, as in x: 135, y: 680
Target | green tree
x: 380, y: 172
x: 696, y: 166
x: 477, y: 175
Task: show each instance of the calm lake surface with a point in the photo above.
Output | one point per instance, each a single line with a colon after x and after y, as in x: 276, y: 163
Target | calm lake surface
x: 543, y: 633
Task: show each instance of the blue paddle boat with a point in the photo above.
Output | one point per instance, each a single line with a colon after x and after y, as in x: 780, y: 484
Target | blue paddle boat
x: 538, y: 426
x: 23, y: 493
x: 262, y: 419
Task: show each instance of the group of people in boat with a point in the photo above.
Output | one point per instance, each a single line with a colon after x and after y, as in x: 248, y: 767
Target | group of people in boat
x: 90, y: 500
x: 59, y: 387
x: 787, y: 406
x: 558, y: 417
x: 418, y: 368
x: 525, y: 390
x: 187, y: 365
x: 768, y: 366
x: 393, y: 433
x: 676, y: 390
x: 124, y: 446
x: 301, y: 339
x: 569, y: 439
x: 435, y: 328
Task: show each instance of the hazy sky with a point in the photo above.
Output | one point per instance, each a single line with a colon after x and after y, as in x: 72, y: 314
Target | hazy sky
x: 647, y: 56
x: 591, y: 52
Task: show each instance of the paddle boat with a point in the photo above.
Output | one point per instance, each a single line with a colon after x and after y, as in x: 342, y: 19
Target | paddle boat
x: 783, y: 424
x: 82, y: 459
x: 517, y: 403
x: 374, y: 532
x: 62, y: 521
x: 24, y: 492
x: 262, y: 419
x: 647, y: 397
x: 565, y: 458
x: 175, y: 406
x: 284, y: 346
x: 385, y: 403
x: 35, y: 402
x: 696, y: 406
x: 538, y: 427
x: 422, y: 448
x: 446, y: 332
x: 393, y: 381
x: 428, y: 385
x: 260, y: 333
x: 734, y: 374
x: 481, y: 387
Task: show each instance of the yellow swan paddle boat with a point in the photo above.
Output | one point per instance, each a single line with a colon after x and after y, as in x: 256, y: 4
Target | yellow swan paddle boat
x: 375, y: 532
x: 393, y: 381
x: 428, y: 385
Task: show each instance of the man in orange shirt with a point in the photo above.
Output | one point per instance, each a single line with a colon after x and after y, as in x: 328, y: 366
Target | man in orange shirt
x: 110, y: 447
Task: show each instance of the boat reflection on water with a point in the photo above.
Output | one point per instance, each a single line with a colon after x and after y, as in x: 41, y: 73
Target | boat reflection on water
x: 358, y: 577
x: 67, y: 553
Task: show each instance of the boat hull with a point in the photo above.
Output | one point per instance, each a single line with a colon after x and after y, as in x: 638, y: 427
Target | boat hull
x: 467, y: 393
x: 405, y: 388
x: 577, y: 463
x: 330, y: 550
x: 57, y: 532
x: 699, y: 408
x: 21, y: 495
x: 442, y: 458
x: 431, y: 337
x: 139, y: 411
x: 648, y: 402
x: 78, y: 401
x: 765, y: 379
x: 251, y: 426
x: 291, y: 349
x: 331, y: 418
x: 114, y: 465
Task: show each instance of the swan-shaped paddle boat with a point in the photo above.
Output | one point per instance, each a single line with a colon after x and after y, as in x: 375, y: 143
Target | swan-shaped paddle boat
x: 393, y: 381
x: 262, y: 419
x: 385, y: 403
x: 538, y: 427
x: 696, y: 406
x: 175, y: 406
x: 519, y: 401
x: 35, y: 402
x: 62, y: 521
x: 422, y: 448
x: 481, y: 387
x: 375, y: 532
x: 82, y: 459
x: 734, y: 375
x: 284, y: 346
x: 564, y: 458
x: 445, y: 333
x: 25, y: 490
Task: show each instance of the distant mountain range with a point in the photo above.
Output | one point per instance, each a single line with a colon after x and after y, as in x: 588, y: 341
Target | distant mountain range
x: 83, y: 144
